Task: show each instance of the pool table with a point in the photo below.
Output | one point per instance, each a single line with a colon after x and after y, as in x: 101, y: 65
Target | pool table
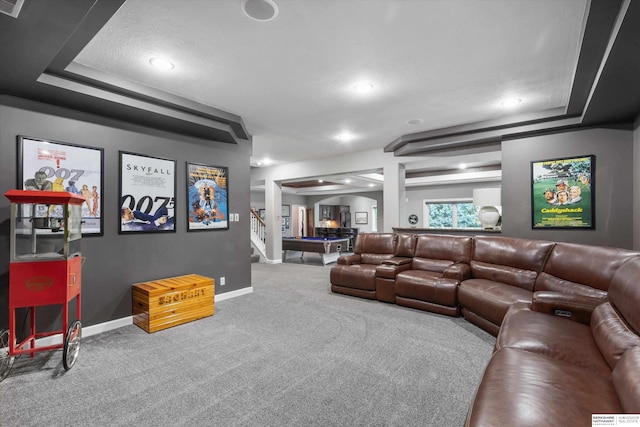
x: 328, y: 248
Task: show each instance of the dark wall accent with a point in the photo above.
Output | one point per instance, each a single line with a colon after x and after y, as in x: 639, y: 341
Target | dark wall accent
x: 114, y: 262
x: 613, y: 185
x: 47, y: 74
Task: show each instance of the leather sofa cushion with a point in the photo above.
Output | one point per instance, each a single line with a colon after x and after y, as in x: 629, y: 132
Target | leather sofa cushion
x: 626, y: 380
x: 440, y: 247
x: 570, y: 262
x: 519, y: 253
x: 375, y: 258
x: 374, y: 248
x: 524, y: 279
x: 490, y: 299
x: 624, y: 293
x: 436, y: 265
x: 611, y: 333
x: 548, y: 282
x: 427, y: 286
x: 552, y: 336
x: 406, y: 245
x: 528, y: 389
x: 509, y: 260
x: 375, y: 243
x: 357, y: 276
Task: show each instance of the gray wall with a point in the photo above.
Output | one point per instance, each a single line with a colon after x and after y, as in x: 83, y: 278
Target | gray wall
x: 114, y: 262
x: 257, y: 199
x: 613, y: 150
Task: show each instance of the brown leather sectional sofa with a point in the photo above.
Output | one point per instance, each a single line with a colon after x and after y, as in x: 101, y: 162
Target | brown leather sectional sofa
x: 566, y: 317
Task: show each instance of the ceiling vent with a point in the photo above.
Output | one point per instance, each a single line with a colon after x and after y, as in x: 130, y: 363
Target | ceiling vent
x: 11, y: 7
x: 259, y: 10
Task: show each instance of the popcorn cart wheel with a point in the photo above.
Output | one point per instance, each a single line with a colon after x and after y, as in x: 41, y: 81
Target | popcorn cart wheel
x: 71, y: 345
x: 6, y: 361
x: 45, y: 270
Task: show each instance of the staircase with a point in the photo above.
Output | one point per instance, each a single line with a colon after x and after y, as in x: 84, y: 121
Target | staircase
x: 258, y: 237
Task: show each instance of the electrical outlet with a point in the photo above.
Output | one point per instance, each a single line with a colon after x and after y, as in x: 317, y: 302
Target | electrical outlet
x: 222, y: 281
x: 236, y: 217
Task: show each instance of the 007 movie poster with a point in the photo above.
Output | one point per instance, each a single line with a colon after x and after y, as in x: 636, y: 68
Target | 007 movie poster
x: 207, y: 197
x: 562, y: 193
x: 147, y: 194
x: 59, y: 166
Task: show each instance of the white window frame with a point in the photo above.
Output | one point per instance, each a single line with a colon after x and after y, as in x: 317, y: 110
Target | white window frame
x: 454, y: 202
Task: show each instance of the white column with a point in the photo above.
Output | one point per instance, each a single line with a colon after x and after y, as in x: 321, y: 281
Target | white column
x: 393, y: 197
x: 273, y: 211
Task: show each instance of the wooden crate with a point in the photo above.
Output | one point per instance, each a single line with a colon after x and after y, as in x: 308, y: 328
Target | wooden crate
x: 161, y: 304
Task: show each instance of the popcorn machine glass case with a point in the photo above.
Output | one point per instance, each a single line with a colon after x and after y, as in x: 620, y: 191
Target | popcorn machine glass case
x: 45, y: 269
x: 45, y: 226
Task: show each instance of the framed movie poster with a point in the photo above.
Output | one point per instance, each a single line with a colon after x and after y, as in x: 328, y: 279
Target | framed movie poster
x: 147, y: 194
x: 59, y: 166
x: 207, y: 190
x: 563, y: 193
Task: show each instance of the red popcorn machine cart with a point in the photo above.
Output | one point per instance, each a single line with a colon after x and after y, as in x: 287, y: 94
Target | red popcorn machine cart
x: 45, y: 270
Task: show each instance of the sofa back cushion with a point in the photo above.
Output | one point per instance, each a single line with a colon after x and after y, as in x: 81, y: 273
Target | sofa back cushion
x: 515, y: 262
x: 581, y: 269
x: 611, y: 333
x: 375, y: 247
x: 626, y: 380
x: 406, y: 245
x: 615, y: 324
x: 436, y: 252
x: 624, y: 293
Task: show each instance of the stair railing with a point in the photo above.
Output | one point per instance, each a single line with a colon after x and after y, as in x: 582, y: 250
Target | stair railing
x: 258, y: 231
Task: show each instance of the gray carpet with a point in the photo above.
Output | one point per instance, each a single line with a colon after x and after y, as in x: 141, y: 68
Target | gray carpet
x: 290, y: 354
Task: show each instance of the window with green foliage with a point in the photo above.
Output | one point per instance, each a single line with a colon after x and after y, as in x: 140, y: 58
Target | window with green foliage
x: 450, y: 215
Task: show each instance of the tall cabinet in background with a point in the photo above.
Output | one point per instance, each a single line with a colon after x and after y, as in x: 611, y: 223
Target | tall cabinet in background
x: 341, y: 215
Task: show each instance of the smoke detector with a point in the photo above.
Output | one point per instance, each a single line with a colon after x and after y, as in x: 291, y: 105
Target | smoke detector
x: 260, y: 10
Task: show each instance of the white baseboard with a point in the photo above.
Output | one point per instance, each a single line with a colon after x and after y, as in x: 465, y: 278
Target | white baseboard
x: 88, y: 331
x: 274, y: 261
x: 107, y: 326
x: 233, y: 294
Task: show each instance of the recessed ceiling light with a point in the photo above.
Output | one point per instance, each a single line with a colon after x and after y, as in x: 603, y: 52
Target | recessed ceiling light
x: 260, y: 10
x: 344, y: 137
x: 161, y: 64
x: 321, y: 180
x: 372, y: 185
x: 363, y: 87
x: 414, y: 121
x: 511, y: 102
x: 347, y: 181
x: 462, y: 166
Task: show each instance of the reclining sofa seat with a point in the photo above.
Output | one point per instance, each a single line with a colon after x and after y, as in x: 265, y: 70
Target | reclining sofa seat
x: 355, y: 274
x: 503, y: 272
x: 550, y: 370
x: 439, y: 264
x: 577, y: 278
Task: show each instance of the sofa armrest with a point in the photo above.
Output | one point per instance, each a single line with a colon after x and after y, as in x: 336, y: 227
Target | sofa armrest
x: 349, y: 259
x: 397, y: 261
x: 458, y: 271
x: 570, y: 306
x: 390, y: 270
